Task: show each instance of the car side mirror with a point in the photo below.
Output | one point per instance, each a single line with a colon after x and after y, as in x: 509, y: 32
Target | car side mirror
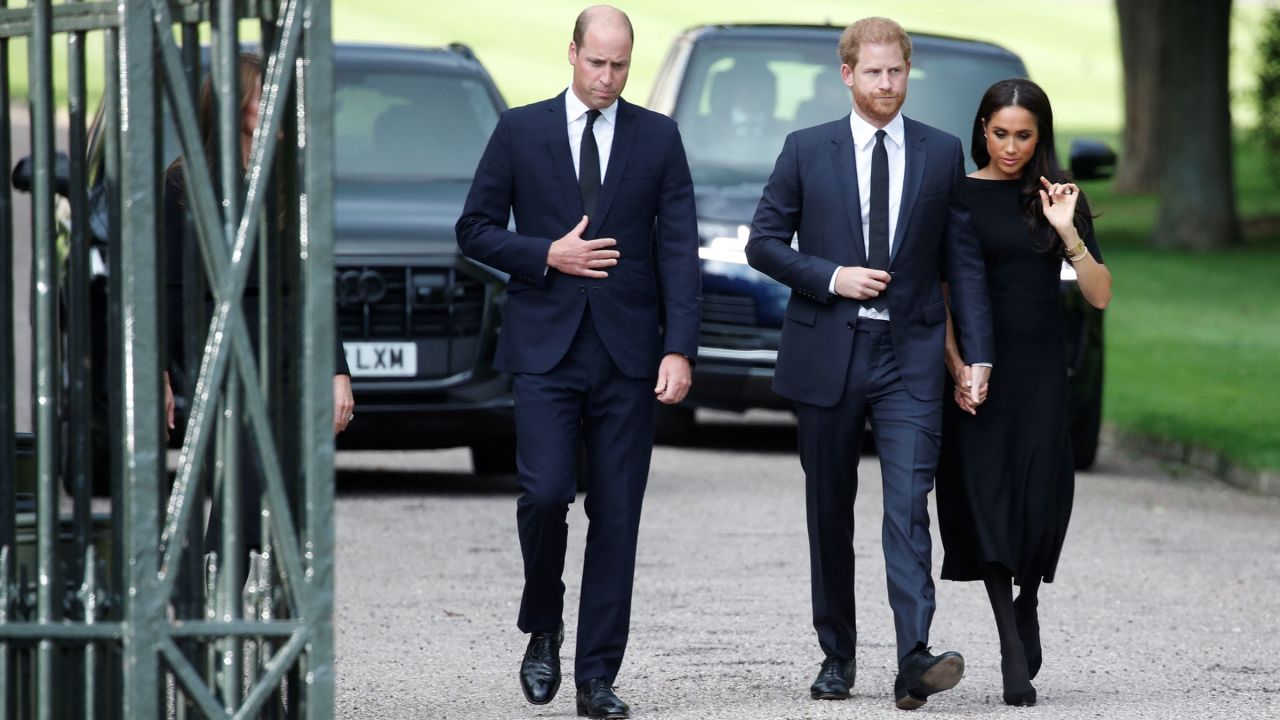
x: 24, y: 174
x: 1092, y: 160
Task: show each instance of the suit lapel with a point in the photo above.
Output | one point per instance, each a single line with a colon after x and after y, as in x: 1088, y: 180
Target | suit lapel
x: 914, y: 146
x: 557, y: 139
x: 624, y: 135
x: 842, y: 155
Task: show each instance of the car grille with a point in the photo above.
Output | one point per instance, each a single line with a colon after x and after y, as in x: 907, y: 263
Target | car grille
x: 441, y: 309
x: 407, y: 303
x: 728, y: 309
x: 730, y: 322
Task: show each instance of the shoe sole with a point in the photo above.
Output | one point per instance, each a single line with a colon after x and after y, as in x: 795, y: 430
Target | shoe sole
x: 910, y: 702
x: 828, y: 695
x: 943, y: 676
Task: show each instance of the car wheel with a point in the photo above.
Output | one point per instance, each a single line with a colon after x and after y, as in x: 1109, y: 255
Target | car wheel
x: 494, y: 459
x: 675, y: 424
x: 1085, y: 431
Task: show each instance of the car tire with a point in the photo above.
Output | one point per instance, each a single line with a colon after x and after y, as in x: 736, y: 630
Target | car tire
x: 494, y: 459
x: 1085, y: 431
x: 675, y: 425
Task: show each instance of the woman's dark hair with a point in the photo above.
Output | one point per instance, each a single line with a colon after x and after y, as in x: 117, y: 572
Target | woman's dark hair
x: 250, y: 67
x: 1020, y: 92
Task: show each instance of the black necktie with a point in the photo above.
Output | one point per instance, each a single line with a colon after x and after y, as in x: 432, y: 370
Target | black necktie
x: 589, y: 165
x: 878, y: 222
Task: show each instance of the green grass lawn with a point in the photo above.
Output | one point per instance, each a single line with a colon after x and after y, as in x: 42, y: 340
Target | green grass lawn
x: 1193, y: 349
x: 1193, y: 339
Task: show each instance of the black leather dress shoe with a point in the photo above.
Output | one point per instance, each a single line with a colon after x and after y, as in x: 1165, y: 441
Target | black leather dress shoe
x: 540, y: 669
x: 596, y: 700
x: 920, y: 675
x: 834, y: 681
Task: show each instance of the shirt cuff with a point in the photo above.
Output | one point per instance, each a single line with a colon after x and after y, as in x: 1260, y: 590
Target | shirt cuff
x: 984, y: 365
x: 831, y: 286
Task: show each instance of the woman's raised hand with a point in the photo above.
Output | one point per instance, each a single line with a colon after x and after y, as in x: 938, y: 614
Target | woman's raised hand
x: 1059, y: 202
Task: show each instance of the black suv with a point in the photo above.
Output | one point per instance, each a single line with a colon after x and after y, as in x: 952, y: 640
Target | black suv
x: 737, y: 91
x: 418, y: 320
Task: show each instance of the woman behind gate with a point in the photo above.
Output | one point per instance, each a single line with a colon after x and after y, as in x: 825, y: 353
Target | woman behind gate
x: 176, y: 242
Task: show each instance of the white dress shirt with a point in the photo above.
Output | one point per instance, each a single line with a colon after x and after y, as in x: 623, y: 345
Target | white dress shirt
x: 576, y: 114
x: 864, y: 141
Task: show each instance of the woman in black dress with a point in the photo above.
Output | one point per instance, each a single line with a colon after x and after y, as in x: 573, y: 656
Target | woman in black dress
x: 178, y: 378
x: 250, y: 68
x: 1006, y: 480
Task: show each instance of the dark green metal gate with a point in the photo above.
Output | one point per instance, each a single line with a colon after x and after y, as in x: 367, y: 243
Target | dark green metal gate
x: 110, y: 608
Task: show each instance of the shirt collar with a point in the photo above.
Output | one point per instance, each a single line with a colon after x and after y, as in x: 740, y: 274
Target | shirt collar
x: 575, y: 108
x: 864, y: 133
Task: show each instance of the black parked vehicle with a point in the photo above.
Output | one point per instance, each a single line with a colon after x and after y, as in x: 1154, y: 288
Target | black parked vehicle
x: 418, y: 320
x: 737, y: 91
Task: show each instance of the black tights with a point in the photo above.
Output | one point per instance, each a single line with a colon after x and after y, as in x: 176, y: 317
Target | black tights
x: 1018, y: 629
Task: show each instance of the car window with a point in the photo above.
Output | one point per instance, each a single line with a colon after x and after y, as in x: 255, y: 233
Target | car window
x: 740, y: 98
x: 945, y: 88
x: 407, y: 126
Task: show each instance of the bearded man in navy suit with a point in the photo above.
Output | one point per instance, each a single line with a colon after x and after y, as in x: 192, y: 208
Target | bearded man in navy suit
x: 874, y: 200
x: 601, y: 317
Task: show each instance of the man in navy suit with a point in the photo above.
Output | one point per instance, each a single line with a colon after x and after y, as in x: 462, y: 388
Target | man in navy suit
x: 601, y: 316
x: 875, y: 201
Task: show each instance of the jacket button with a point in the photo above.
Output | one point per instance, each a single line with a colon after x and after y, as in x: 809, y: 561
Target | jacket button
x: 849, y: 324
x: 581, y: 289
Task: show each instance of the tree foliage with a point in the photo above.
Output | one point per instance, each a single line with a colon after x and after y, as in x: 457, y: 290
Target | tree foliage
x: 1269, y: 91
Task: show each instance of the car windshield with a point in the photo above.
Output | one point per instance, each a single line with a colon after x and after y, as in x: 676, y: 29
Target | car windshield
x: 740, y: 98
x: 393, y: 126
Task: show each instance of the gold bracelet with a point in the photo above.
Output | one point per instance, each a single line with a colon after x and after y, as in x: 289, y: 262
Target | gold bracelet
x: 1078, y: 252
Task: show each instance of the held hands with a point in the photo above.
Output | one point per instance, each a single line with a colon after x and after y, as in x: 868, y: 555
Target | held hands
x: 1058, y: 200
x: 572, y: 255
x: 861, y: 283
x: 675, y: 376
x: 971, y: 386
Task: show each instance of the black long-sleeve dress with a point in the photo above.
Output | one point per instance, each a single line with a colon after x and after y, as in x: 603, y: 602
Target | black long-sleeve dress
x: 175, y: 214
x: 183, y: 379
x: 1005, y: 477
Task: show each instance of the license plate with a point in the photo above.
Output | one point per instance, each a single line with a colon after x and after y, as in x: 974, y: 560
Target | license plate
x: 382, y: 359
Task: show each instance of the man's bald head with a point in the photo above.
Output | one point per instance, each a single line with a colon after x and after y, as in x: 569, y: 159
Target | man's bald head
x: 600, y: 55
x: 605, y: 14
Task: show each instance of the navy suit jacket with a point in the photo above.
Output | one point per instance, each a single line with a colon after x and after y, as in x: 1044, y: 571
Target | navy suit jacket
x: 651, y: 302
x: 813, y: 191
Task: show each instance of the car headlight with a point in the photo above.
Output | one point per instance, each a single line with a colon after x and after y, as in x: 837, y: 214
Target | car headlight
x: 723, y: 242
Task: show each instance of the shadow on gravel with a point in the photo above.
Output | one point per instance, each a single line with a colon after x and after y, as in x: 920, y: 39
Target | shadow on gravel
x: 779, y: 437
x: 351, y: 483
x: 768, y: 433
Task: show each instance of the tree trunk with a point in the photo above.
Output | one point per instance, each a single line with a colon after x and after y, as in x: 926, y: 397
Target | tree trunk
x: 1197, y: 184
x: 1143, y: 43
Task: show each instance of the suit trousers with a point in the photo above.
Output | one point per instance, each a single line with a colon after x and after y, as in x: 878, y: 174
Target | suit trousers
x: 907, y: 434
x: 584, y: 400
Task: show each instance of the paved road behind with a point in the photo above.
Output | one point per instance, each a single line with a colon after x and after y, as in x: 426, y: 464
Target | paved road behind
x: 1165, y: 605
